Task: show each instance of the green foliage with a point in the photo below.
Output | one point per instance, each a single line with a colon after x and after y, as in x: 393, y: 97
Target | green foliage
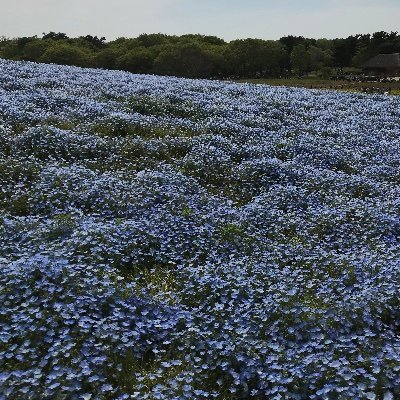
x: 202, y: 56
x: 325, y: 72
x: 363, y: 55
x: 233, y: 234
x: 55, y: 36
x: 20, y: 205
x: 138, y: 60
x: 62, y: 224
x: 106, y: 58
x: 65, y: 54
x: 121, y: 128
x: 186, y: 211
x: 256, y: 57
x: 34, y: 50
x: 301, y: 59
x: 11, y: 51
x: 150, y: 40
x: 147, y: 105
x: 319, y: 58
x: 187, y: 60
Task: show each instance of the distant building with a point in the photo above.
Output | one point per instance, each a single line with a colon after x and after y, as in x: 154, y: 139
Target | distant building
x: 383, y: 64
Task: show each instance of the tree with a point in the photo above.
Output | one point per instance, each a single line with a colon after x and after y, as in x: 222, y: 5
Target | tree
x: 107, y: 58
x: 11, y: 51
x: 344, y: 50
x: 363, y: 55
x: 23, y: 41
x: 195, y: 55
x: 291, y: 41
x: 154, y: 39
x: 55, y: 36
x: 213, y: 40
x: 325, y: 72
x: 93, y: 41
x: 65, y: 54
x: 300, y: 59
x: 3, y: 42
x: 256, y: 57
x: 139, y: 60
x: 318, y: 58
x: 187, y: 60
x: 324, y: 44
x: 34, y: 50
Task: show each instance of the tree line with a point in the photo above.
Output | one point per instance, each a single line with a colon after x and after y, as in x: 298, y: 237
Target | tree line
x: 202, y: 56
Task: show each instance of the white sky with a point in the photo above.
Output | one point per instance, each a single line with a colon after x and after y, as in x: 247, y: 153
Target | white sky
x: 229, y: 19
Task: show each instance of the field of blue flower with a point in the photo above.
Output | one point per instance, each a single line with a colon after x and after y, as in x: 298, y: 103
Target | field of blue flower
x: 163, y: 238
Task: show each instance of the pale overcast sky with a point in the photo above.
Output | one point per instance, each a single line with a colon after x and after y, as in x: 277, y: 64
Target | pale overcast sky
x: 228, y: 19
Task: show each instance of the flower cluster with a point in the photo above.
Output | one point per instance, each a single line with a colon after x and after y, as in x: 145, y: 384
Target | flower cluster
x: 165, y: 238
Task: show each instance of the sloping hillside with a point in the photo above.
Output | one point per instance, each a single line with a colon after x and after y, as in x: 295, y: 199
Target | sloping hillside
x: 163, y: 238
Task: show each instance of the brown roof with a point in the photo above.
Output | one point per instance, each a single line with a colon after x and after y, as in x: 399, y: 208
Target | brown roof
x: 384, y: 61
